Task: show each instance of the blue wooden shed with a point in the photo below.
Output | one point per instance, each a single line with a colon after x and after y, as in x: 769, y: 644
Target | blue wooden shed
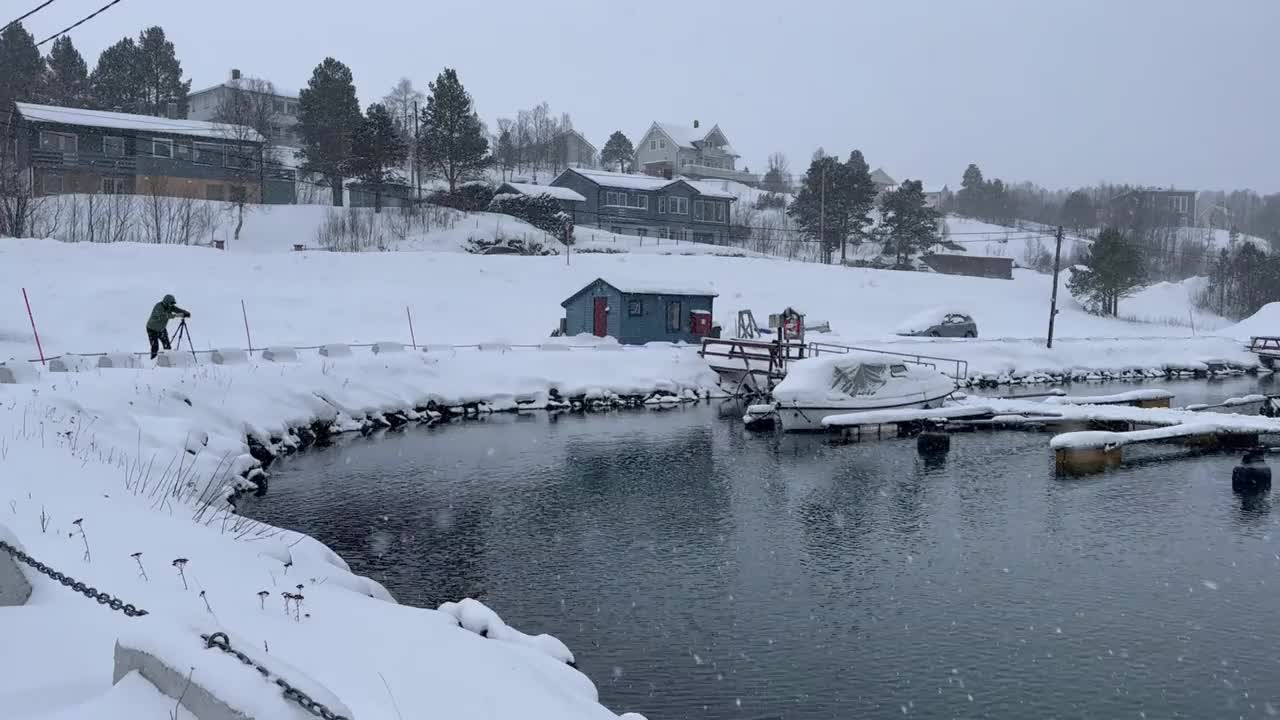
x: 637, y: 314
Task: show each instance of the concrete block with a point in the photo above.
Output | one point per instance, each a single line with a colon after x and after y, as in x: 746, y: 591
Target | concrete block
x: 335, y: 350
x: 495, y: 347
x: 553, y: 347
x: 15, y: 372
x: 15, y: 589
x: 229, y: 356
x: 280, y: 354
x: 438, y: 348
x: 170, y: 682
x: 175, y: 359
x: 609, y: 347
x: 119, y: 360
x: 59, y: 365
x: 387, y: 347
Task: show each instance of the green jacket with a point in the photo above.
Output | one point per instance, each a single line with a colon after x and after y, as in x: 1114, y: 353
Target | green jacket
x: 162, y: 313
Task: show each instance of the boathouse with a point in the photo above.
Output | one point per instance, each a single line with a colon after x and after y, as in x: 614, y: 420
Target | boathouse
x: 637, y: 314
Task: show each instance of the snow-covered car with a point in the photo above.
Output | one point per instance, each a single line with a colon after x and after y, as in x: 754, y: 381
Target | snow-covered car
x: 939, y: 322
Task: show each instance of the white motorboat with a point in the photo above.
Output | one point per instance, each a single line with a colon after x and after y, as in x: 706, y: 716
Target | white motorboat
x: 818, y: 387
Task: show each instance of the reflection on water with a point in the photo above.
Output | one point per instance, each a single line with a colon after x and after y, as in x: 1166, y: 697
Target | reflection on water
x: 700, y: 571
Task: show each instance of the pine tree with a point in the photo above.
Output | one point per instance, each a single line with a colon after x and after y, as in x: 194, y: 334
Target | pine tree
x: 972, y: 189
x: 113, y: 84
x: 1112, y: 269
x: 910, y: 224
x: 377, y: 149
x: 452, y: 139
x: 67, y: 82
x: 21, y: 68
x: 1077, y: 211
x: 816, y: 209
x: 860, y: 197
x: 619, y: 151
x: 328, y: 114
x: 159, y: 74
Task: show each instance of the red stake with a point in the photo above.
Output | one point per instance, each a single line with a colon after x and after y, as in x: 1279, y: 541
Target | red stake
x: 245, y: 315
x: 412, y: 339
x: 32, y: 318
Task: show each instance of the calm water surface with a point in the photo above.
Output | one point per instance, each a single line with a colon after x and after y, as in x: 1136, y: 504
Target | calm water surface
x: 698, y: 571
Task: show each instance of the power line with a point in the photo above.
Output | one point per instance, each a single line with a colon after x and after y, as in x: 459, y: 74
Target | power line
x: 29, y: 13
x: 79, y: 22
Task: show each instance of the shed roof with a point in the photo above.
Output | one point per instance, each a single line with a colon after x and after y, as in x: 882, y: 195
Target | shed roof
x: 141, y: 123
x: 643, y: 289
x: 555, y: 191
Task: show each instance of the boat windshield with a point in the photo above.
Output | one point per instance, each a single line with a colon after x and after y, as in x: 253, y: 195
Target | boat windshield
x: 858, y: 379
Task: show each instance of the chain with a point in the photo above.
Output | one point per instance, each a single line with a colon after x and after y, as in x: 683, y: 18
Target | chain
x: 88, y: 591
x: 222, y: 642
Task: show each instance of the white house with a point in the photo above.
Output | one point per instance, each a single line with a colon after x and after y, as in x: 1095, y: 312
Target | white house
x: 671, y: 150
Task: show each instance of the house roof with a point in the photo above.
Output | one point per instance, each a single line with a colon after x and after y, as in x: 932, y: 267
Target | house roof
x: 880, y: 177
x: 284, y: 94
x: 605, y: 178
x: 141, y: 123
x: 642, y: 289
x: 555, y: 191
x: 686, y: 136
x: 581, y: 137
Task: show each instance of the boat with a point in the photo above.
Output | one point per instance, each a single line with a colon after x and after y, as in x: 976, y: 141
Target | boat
x: 837, y: 384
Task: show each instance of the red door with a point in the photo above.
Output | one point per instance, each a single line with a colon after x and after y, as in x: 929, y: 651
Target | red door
x: 601, y: 325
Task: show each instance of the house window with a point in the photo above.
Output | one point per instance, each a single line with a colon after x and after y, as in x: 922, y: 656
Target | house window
x: 52, y: 184
x: 678, y: 206
x: 615, y: 199
x: 721, y: 212
x: 673, y: 317
x: 207, y: 154
x: 638, y: 201
x: 115, y: 186
x: 662, y: 203
x: 161, y: 148
x: 58, y: 142
x: 664, y: 233
x: 698, y: 209
x: 214, y: 192
x: 113, y: 146
x: 662, y: 143
x: 635, y: 307
x: 653, y: 144
x: 615, y: 230
x: 182, y: 150
x: 279, y: 106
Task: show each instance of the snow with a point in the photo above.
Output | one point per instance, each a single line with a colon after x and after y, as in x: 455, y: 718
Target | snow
x: 887, y: 417
x: 1117, y: 398
x: 824, y: 381
x: 629, y: 181
x: 1264, y: 322
x: 139, y: 123
x: 925, y: 319
x: 683, y: 135
x: 639, y: 288
x: 555, y: 191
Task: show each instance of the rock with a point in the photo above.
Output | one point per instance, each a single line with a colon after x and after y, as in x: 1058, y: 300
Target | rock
x: 14, y: 372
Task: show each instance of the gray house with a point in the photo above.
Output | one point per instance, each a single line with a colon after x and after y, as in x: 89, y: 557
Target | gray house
x: 70, y: 150
x: 205, y: 104
x: 636, y: 314
x: 669, y: 149
x: 647, y: 206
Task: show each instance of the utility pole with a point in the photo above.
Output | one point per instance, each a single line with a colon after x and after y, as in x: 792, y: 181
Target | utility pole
x: 417, y: 171
x: 1053, y: 299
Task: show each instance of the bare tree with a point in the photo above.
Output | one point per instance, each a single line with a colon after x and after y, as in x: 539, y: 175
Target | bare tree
x: 402, y: 102
x: 248, y: 111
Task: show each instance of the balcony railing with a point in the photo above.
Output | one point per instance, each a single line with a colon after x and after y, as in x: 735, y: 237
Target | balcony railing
x: 720, y: 173
x: 53, y: 158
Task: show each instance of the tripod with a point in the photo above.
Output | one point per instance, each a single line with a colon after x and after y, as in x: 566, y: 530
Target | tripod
x: 183, y: 332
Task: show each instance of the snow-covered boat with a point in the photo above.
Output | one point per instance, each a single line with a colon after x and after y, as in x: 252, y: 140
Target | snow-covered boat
x: 855, y: 382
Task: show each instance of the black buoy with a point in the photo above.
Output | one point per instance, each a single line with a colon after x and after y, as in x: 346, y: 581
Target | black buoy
x: 933, y: 443
x: 1252, y: 475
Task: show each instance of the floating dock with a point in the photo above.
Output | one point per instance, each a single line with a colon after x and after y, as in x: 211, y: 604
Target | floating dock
x: 1090, y: 437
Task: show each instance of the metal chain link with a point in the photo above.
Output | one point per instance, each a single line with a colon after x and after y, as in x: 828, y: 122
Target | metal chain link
x: 88, y: 591
x: 222, y: 642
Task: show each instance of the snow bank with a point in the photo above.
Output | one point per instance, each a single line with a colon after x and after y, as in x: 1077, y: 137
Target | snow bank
x: 1117, y: 398
x: 1266, y: 321
x: 137, y: 457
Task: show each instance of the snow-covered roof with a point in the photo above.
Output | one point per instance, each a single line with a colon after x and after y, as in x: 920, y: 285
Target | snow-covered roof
x: 662, y: 289
x: 683, y: 135
x: 559, y: 193
x: 880, y: 177
x: 140, y: 123
x: 650, y: 182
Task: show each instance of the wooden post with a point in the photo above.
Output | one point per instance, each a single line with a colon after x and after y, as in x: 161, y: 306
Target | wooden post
x: 412, y: 338
x: 34, y: 332
x: 1053, y: 299
x: 245, y: 315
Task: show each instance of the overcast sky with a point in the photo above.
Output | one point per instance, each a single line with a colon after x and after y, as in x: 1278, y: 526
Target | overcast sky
x: 1062, y: 93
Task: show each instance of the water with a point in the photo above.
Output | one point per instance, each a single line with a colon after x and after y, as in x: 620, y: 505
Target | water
x: 698, y: 571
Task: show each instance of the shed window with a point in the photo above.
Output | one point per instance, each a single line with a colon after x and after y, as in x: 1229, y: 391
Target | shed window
x: 162, y: 148
x: 673, y: 317
x: 113, y: 146
x: 635, y: 307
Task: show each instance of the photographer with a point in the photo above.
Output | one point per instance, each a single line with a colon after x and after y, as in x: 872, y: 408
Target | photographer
x: 158, y: 324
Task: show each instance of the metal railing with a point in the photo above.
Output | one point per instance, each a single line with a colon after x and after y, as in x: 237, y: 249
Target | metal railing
x: 961, y: 367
